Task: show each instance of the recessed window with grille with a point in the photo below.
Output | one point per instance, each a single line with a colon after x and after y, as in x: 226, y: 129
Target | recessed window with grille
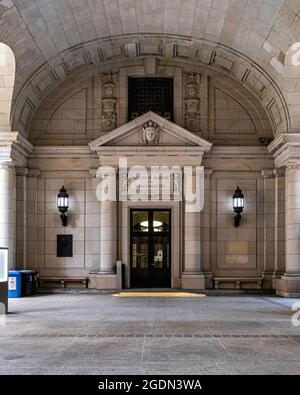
x: 150, y: 94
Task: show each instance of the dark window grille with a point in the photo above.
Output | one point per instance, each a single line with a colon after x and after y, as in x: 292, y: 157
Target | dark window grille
x: 150, y: 94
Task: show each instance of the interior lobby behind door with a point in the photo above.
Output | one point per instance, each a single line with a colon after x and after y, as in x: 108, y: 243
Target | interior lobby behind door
x: 150, y: 248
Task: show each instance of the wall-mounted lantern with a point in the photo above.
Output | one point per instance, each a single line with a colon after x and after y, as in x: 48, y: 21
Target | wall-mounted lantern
x: 63, y: 205
x: 238, y: 205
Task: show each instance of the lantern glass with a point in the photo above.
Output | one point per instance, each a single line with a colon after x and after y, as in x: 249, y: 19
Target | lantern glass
x: 238, y: 202
x: 63, y: 200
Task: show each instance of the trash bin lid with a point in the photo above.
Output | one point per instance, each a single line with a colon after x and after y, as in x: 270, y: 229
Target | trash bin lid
x: 14, y: 273
x: 29, y: 271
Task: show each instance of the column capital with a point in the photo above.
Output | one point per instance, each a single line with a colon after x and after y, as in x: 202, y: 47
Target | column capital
x: 93, y: 173
x: 208, y: 172
x: 286, y: 150
x: 33, y: 173
x: 279, y: 172
x: 25, y: 172
x: 22, y: 171
x: 268, y: 173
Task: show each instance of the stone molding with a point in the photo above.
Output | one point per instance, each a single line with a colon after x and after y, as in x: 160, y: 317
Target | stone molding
x: 60, y: 152
x: 25, y: 172
x: 234, y: 152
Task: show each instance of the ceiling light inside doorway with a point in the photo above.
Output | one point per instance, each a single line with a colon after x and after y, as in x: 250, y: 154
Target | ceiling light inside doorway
x: 156, y: 224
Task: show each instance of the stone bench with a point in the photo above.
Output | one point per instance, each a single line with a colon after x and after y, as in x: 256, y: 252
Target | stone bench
x: 237, y: 281
x: 63, y: 281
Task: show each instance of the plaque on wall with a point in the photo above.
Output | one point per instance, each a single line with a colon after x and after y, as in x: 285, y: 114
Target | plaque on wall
x: 150, y: 94
x: 65, y: 246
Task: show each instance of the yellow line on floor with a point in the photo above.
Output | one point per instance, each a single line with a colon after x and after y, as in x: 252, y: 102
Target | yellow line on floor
x: 159, y: 295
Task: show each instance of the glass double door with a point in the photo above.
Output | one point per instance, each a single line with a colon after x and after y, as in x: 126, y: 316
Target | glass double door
x: 150, y: 249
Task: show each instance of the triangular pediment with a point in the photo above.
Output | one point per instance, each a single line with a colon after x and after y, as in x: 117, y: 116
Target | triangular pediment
x: 149, y: 130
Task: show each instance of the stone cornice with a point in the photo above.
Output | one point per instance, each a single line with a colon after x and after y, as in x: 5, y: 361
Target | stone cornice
x: 286, y: 149
x: 151, y: 151
x: 14, y: 148
x: 238, y: 152
x: 61, y: 152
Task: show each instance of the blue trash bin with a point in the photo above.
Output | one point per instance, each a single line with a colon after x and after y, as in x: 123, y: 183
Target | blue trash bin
x: 14, y: 284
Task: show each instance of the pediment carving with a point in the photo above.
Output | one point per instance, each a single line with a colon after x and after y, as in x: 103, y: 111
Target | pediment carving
x: 148, y: 131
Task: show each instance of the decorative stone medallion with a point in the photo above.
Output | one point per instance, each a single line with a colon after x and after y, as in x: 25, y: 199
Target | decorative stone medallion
x: 150, y: 133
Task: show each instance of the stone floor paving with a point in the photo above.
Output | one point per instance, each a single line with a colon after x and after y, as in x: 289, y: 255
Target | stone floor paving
x: 105, y: 334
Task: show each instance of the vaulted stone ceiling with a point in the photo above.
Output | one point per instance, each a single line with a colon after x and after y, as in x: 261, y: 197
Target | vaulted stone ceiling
x: 246, y: 38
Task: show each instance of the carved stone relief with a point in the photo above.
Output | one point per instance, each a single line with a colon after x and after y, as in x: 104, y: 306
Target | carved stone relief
x: 150, y: 133
x: 109, y: 85
x: 192, y: 101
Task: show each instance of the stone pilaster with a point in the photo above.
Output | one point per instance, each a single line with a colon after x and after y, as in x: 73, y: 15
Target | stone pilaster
x: 108, y: 237
x: 192, y: 275
x: 103, y: 273
x: 286, y: 151
x: 205, y: 231
x: 8, y: 210
x: 279, y: 239
x: 21, y: 216
x: 268, y: 227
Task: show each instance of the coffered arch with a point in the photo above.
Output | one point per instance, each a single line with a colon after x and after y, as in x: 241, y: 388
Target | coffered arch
x: 221, y: 59
x: 229, y: 113
x: 246, y: 39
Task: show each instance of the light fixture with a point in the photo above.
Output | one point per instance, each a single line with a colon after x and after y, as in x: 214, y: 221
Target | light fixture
x: 63, y: 205
x: 238, y: 206
x: 156, y: 224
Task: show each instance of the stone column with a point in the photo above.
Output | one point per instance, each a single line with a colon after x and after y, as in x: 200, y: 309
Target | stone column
x: 8, y: 210
x: 21, y: 217
x: 108, y: 231
x: 206, y: 244
x: 279, y: 222
x: 192, y: 276
x: 289, y: 284
x: 108, y: 237
x: 268, y: 228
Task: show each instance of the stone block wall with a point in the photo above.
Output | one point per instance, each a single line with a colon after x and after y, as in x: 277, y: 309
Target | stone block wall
x: 234, y: 250
x: 39, y: 248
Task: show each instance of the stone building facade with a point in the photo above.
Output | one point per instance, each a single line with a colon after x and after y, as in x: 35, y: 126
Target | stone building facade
x: 235, y: 116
